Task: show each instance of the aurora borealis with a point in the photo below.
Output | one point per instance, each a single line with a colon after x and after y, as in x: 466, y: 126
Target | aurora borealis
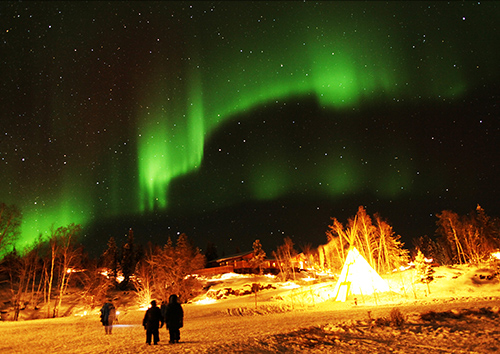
x: 232, y: 121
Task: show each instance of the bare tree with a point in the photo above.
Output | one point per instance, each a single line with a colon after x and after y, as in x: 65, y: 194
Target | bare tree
x: 143, y: 283
x: 172, y: 266
x: 54, y: 249
x: 468, y: 238
x: 389, y: 251
x: 96, y: 285
x: 310, y: 253
x: 284, y: 255
x: 70, y: 257
x: 377, y: 243
x: 449, y: 226
x: 62, y: 257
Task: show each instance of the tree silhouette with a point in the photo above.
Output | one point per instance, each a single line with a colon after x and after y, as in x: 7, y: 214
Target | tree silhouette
x: 377, y: 243
x: 284, y: 256
x: 10, y: 222
x: 128, y: 260
x: 424, y: 271
x: 258, y: 256
x: 109, y: 258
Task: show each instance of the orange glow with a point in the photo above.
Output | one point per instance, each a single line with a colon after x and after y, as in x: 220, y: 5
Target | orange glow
x: 206, y: 301
x: 290, y: 285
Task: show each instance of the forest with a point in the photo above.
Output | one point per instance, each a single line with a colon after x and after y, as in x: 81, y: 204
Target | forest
x: 41, y: 275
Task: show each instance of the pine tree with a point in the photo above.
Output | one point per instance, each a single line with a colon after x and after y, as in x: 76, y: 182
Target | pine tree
x: 258, y: 255
x: 423, y: 270
x: 10, y: 226
x: 211, y: 252
x: 110, y: 258
x: 128, y: 261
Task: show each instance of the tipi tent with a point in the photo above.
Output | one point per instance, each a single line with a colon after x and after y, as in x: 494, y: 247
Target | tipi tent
x: 358, y: 278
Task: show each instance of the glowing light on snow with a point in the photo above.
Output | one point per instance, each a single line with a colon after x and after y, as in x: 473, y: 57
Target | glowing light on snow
x: 290, y: 286
x: 308, y: 279
x: 206, y: 301
x: 496, y: 255
x: 230, y: 276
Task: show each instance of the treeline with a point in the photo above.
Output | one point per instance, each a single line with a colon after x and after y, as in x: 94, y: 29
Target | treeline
x: 459, y: 239
x: 39, y: 276
x: 462, y: 239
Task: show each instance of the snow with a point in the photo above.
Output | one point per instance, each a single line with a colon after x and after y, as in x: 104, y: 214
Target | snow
x: 460, y: 315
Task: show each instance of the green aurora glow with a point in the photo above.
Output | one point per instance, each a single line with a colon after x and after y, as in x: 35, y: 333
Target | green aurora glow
x: 339, y: 55
x: 340, y: 66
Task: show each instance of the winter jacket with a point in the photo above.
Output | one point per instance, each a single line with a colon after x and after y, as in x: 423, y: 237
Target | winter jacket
x: 108, y: 314
x: 174, y: 316
x: 153, y: 319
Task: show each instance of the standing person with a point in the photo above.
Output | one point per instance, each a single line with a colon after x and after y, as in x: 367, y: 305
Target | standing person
x: 174, y: 318
x: 152, y: 322
x: 108, y: 315
x: 163, y: 308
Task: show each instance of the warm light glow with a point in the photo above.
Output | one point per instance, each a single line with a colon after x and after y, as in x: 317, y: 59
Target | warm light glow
x: 144, y: 307
x: 496, y: 255
x: 290, y: 285
x: 308, y: 279
x: 230, y: 276
x: 73, y: 270
x: 206, y: 301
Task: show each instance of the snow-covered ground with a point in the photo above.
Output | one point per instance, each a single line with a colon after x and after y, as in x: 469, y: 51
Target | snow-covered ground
x: 460, y: 315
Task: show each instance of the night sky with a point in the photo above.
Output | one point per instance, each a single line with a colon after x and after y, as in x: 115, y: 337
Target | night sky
x: 235, y: 121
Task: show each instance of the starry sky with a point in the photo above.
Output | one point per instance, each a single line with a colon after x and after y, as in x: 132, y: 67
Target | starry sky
x: 235, y: 121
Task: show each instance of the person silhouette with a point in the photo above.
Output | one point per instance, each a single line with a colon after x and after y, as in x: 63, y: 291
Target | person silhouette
x: 108, y: 316
x: 152, y: 321
x: 174, y: 318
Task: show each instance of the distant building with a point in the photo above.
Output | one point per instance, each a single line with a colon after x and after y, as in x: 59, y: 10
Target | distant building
x: 238, y: 263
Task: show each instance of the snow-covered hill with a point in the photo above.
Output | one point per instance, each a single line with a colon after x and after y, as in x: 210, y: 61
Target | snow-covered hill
x: 460, y: 315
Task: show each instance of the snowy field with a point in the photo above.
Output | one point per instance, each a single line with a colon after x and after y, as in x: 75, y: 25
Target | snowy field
x: 460, y: 315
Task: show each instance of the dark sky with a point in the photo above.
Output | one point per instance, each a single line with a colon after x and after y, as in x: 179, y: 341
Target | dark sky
x: 235, y: 121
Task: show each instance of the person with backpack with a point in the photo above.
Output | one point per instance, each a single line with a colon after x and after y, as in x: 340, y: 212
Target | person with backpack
x: 108, y: 316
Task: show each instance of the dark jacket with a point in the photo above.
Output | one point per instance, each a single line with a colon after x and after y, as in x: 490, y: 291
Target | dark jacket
x: 108, y: 314
x: 153, y: 319
x: 174, y: 315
